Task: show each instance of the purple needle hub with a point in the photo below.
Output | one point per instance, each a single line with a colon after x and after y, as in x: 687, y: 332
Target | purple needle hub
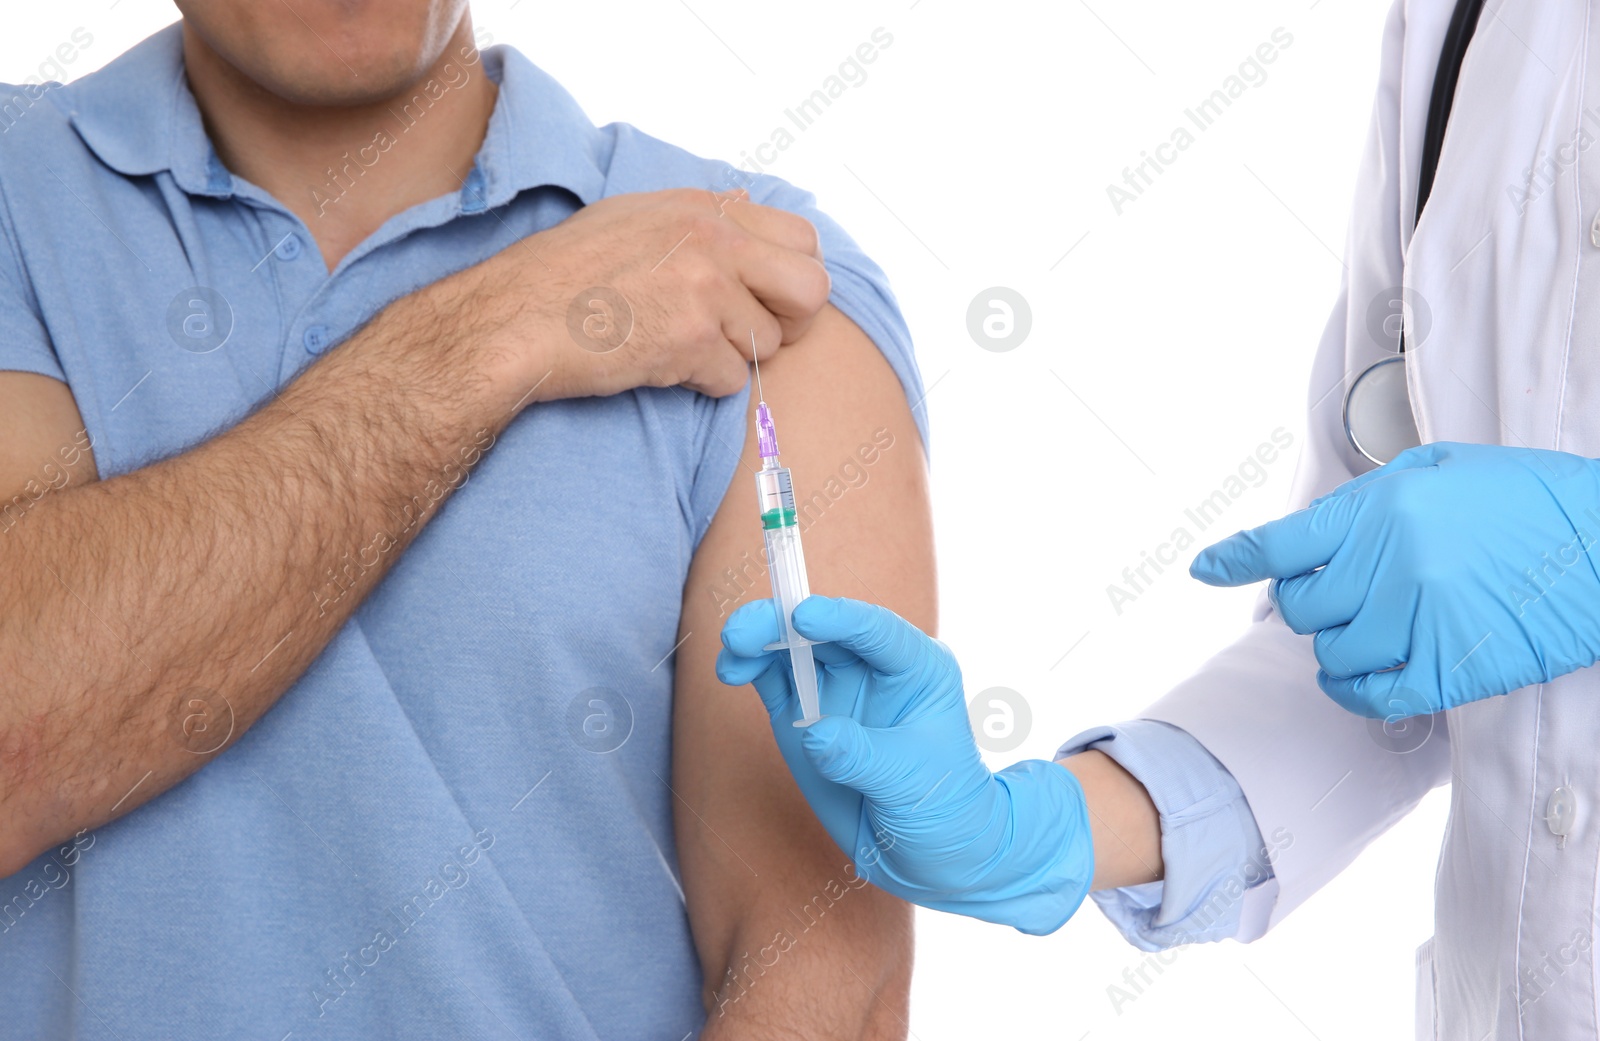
x: 766, y: 436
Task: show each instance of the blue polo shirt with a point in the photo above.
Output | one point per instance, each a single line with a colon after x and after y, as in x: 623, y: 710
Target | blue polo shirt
x: 457, y: 822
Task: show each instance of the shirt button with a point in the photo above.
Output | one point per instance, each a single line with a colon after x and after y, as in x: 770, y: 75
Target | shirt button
x: 289, y: 248
x: 1594, y: 231
x: 1561, y: 812
x: 315, y: 338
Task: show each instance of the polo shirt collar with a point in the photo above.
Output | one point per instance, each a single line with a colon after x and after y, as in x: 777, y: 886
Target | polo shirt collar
x: 139, y: 117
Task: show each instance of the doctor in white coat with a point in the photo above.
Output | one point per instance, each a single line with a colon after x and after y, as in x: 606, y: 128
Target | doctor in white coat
x: 1434, y: 622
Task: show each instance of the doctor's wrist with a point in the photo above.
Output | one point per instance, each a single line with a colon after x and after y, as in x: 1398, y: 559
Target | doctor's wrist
x: 1123, y: 820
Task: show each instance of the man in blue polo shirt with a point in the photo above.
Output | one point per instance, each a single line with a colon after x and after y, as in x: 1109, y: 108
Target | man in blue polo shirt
x: 372, y: 438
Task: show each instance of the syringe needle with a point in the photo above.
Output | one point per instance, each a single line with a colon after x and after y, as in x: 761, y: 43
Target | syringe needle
x: 760, y: 394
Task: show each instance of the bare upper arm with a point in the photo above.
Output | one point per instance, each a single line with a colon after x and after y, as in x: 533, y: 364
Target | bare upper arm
x: 847, y: 433
x: 43, y: 444
x: 861, y: 483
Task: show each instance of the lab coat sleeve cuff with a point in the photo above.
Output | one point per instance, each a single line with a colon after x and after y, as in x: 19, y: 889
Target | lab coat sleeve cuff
x: 1214, y: 859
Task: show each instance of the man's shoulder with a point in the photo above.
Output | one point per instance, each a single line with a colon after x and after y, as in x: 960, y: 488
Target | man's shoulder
x: 29, y: 97
x: 33, y: 120
x: 641, y: 162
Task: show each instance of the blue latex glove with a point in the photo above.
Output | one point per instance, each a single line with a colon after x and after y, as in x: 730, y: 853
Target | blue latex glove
x: 1453, y: 573
x: 892, y: 772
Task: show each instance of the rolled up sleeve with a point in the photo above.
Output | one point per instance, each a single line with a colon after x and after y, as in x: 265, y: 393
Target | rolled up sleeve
x: 1210, y: 844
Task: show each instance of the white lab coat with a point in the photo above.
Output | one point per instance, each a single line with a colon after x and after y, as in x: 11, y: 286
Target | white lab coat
x: 1509, y: 271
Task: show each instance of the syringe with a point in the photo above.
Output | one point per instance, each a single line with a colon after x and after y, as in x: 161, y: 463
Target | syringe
x: 786, y: 561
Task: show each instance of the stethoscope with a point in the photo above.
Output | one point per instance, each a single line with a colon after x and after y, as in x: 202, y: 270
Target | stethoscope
x: 1378, y: 420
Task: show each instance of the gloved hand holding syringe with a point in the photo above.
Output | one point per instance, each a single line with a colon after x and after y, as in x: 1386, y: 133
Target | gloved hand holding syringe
x: 786, y: 560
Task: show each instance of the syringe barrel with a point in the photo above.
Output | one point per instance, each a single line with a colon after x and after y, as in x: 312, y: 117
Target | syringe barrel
x: 786, y: 570
x: 786, y: 561
x: 775, y: 494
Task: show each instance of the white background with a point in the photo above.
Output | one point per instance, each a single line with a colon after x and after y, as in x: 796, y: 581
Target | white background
x: 1166, y: 343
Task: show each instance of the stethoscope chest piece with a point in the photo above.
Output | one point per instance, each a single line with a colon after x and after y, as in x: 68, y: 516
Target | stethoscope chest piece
x: 1377, y: 412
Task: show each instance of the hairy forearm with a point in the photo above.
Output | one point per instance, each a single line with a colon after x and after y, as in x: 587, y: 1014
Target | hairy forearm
x: 1123, y: 821
x: 197, y: 589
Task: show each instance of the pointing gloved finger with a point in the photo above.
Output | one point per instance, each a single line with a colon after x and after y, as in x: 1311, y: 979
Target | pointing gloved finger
x: 1290, y: 545
x: 881, y: 638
